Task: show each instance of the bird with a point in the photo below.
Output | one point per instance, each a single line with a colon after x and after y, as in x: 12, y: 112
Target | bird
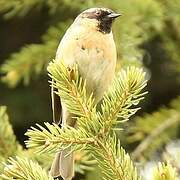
x: 89, y: 43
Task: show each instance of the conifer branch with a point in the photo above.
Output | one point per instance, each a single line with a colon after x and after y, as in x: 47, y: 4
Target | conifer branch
x: 114, y: 162
x: 16, y: 7
x: 164, y: 172
x: 21, y: 8
x: 125, y: 92
x: 31, y: 59
x: 8, y: 144
x: 24, y: 169
x: 10, y: 147
x: 54, y: 138
x: 94, y: 128
x: 72, y: 90
x: 104, y: 147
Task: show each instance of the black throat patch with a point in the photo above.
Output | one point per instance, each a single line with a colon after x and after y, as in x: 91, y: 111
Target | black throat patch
x: 101, y: 15
x: 105, y: 25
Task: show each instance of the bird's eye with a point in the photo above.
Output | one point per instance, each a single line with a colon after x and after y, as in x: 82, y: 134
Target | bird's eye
x: 98, y: 13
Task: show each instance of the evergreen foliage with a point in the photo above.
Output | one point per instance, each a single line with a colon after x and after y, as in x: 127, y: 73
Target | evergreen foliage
x: 171, y: 39
x: 10, y: 147
x: 94, y: 127
x: 94, y: 133
x: 24, y: 169
x: 96, y: 140
x: 8, y: 144
x: 164, y: 172
x: 158, y: 129
x: 32, y: 59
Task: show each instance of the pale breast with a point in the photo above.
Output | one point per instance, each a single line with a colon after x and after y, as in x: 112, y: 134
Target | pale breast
x: 95, y: 54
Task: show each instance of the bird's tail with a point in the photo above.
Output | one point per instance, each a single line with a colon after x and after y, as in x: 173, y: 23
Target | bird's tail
x: 63, y: 165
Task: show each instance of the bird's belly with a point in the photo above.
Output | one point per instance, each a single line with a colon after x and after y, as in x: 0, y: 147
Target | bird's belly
x: 95, y: 55
x: 98, y: 73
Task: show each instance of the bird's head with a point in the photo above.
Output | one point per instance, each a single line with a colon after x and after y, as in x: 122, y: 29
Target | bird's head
x: 99, y: 18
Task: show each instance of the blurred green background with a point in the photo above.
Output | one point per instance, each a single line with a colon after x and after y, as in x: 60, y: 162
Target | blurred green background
x: 147, y: 35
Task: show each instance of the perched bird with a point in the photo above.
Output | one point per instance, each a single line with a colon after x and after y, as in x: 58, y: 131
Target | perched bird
x: 89, y: 43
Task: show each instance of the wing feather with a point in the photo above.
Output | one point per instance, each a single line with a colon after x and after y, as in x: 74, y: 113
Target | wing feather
x: 56, y: 105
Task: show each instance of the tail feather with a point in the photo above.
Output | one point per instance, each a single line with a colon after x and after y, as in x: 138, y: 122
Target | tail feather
x: 55, y: 169
x: 63, y: 165
x: 67, y: 164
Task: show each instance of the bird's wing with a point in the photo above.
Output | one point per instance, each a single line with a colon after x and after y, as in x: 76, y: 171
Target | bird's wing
x: 55, y: 99
x: 56, y: 105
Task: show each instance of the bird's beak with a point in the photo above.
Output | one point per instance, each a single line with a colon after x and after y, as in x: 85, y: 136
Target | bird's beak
x: 114, y: 15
